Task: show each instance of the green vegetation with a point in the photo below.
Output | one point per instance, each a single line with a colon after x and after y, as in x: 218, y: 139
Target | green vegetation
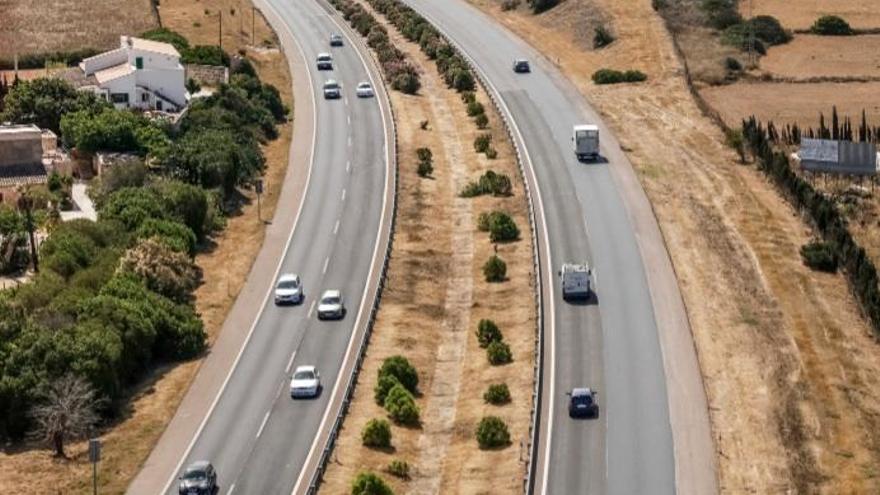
x: 497, y: 394
x: 368, y: 483
x: 602, y: 37
x: 489, y: 183
x: 399, y: 468
x: 611, y: 76
x: 166, y: 35
x: 426, y: 162
x: 498, y: 353
x: 488, y: 332
x: 401, y: 369
x: 766, y: 29
x: 819, y: 256
x: 720, y: 14
x: 481, y: 121
x: 401, y: 406
x: 377, y: 434
x: 43, y: 101
x: 492, y: 433
x: 482, y: 142
x: 831, y: 25
x: 539, y: 6
x: 41, y: 60
x: 500, y: 226
x: 114, y: 130
x: 495, y: 269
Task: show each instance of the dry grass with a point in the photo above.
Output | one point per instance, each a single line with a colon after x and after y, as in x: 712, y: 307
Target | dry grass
x: 434, y: 297
x: 801, y: 14
x: 825, y: 56
x: 63, y: 25
x: 225, y: 268
x: 793, y: 102
x: 789, y: 364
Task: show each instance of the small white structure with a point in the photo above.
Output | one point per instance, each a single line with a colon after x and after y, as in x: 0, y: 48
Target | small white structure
x: 837, y: 157
x: 140, y: 74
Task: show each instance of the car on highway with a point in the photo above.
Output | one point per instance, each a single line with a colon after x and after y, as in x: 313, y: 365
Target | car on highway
x: 582, y: 403
x: 332, y: 90
x: 335, y: 40
x: 576, y: 281
x: 521, y: 66
x: 288, y: 289
x: 305, y: 382
x: 198, y: 478
x: 331, y: 305
x: 364, y: 89
x: 324, y: 61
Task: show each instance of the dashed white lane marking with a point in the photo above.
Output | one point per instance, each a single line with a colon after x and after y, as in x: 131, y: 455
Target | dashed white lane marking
x: 343, y: 195
x: 345, y: 100
x: 348, y: 118
x: 348, y: 165
x: 349, y: 141
x: 231, y: 488
x: 290, y: 363
x: 263, y: 424
x: 326, y: 263
x: 336, y: 228
x: 311, y: 308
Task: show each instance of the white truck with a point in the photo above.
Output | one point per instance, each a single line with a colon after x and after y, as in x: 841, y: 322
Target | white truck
x: 576, y: 281
x: 585, y: 140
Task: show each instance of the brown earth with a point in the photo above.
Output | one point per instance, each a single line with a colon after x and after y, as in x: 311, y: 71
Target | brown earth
x: 809, y: 55
x: 789, y: 365
x: 225, y: 267
x: 801, y: 14
x: 61, y: 25
x: 787, y: 103
x: 432, y: 301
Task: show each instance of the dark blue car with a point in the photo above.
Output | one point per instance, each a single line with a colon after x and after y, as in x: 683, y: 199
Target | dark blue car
x: 582, y: 403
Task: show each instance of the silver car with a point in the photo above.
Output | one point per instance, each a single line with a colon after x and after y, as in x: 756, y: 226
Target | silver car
x: 331, y: 305
x: 289, y: 289
x: 332, y: 90
x: 305, y: 382
x: 364, y: 90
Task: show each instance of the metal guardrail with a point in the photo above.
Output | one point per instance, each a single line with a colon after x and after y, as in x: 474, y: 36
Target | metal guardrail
x: 318, y: 475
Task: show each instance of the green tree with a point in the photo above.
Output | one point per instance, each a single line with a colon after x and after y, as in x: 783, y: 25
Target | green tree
x: 492, y: 433
x: 400, y: 368
x: 495, y: 269
x: 401, y: 406
x: 487, y: 332
x: 831, y: 25
x: 215, y: 159
x: 43, y: 101
x: 205, y: 55
x: 166, y: 35
x: 367, y: 483
x: 163, y: 270
x: 377, y: 434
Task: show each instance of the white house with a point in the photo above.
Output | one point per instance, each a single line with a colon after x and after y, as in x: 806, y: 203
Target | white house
x: 139, y: 74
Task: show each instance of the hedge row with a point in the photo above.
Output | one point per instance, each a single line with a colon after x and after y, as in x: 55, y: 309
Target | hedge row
x: 400, y: 73
x: 859, y: 269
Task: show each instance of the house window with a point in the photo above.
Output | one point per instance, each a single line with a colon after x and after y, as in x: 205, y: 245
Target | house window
x: 145, y: 97
x: 119, y: 97
x: 158, y: 104
x: 139, y: 62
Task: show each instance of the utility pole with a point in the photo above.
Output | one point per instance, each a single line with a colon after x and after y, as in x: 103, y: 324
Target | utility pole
x: 259, y: 189
x: 26, y: 204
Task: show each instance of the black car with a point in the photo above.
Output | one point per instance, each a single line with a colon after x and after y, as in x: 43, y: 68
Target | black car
x: 199, y: 478
x: 521, y: 66
x: 335, y: 40
x: 583, y: 403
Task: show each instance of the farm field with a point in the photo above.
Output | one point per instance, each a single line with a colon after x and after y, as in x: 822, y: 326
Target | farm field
x: 787, y: 103
x: 29, y: 26
x: 808, y: 56
x: 800, y: 14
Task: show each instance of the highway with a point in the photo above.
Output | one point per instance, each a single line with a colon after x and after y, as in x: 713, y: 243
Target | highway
x: 611, y: 344
x: 256, y: 436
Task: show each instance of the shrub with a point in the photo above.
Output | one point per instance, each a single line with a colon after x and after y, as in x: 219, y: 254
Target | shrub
x: 482, y: 142
x: 768, y: 29
x: 163, y: 270
x: 204, y: 54
x: 367, y: 483
x: 425, y: 169
x: 831, y: 25
x: 611, y: 76
x: 401, y: 406
x: 400, y: 368
x: 475, y: 108
x: 491, y: 153
x: 377, y: 434
x: 495, y: 269
x: 819, y: 256
x: 423, y: 125
x: 166, y: 35
x: 498, y: 353
x: 539, y: 6
x: 488, y: 332
x: 463, y: 80
x: 492, y: 433
x: 406, y: 82
x: 424, y: 154
x: 426, y: 162
x: 732, y: 64
x: 509, y: 5
x: 399, y: 468
x: 497, y: 393
x: 489, y: 183
x: 383, y: 385
x: 602, y: 37
x: 721, y: 14
x: 500, y: 226
x: 482, y: 121
x: 468, y: 97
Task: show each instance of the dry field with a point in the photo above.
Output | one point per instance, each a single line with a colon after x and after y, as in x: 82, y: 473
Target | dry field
x: 29, y: 26
x: 225, y: 268
x: 434, y: 297
x: 801, y: 14
x: 793, y: 102
x: 809, y: 56
x: 789, y: 365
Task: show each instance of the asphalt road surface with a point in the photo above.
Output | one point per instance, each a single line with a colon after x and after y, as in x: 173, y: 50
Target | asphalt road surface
x: 257, y: 437
x: 610, y: 344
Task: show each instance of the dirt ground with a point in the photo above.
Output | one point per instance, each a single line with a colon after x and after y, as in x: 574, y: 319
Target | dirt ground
x: 809, y: 56
x: 62, y: 25
x: 793, y: 102
x: 789, y: 365
x: 801, y: 14
x: 225, y: 268
x: 436, y: 285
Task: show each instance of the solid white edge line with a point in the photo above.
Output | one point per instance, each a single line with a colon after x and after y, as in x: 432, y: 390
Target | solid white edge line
x: 277, y: 269
x: 547, y: 276
x: 263, y: 424
x: 388, y: 177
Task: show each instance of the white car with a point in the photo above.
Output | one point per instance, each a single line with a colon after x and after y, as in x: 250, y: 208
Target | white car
x: 332, y: 90
x: 331, y: 305
x: 364, y: 90
x: 305, y: 382
x: 289, y: 289
x: 324, y: 61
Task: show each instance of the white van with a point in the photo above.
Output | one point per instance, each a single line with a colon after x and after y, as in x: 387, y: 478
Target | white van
x: 585, y: 140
